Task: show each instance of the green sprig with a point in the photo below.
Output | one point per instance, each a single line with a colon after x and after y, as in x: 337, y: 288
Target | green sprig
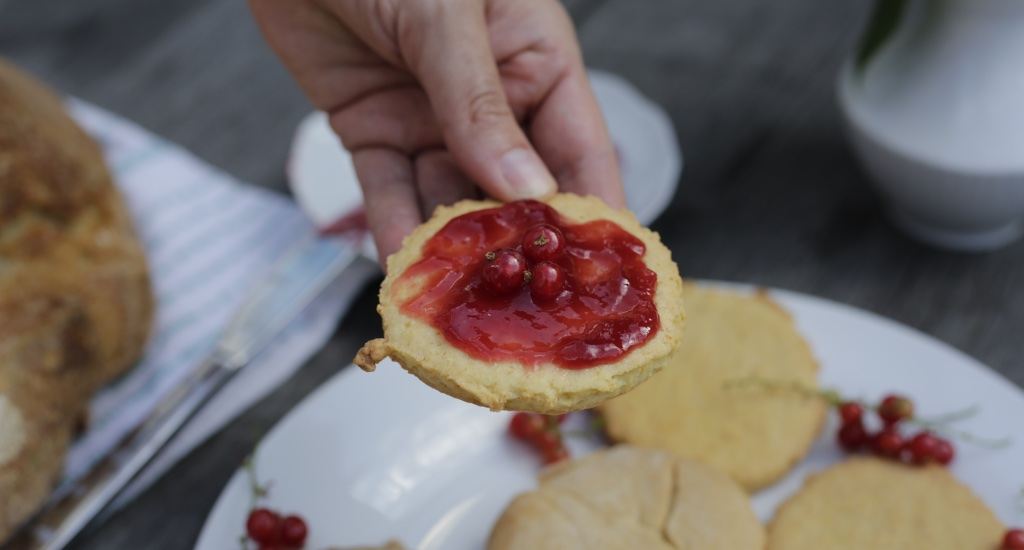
x: 257, y: 490
x: 833, y: 398
x: 594, y: 427
x: 883, y: 22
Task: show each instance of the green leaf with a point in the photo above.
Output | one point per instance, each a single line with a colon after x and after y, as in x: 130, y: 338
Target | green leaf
x: 884, y: 20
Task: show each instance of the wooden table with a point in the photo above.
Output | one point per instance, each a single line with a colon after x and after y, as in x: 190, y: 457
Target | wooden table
x: 770, y: 193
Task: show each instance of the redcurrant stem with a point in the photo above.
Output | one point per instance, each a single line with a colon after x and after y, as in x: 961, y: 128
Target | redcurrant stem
x: 834, y: 399
x: 940, y: 424
x: 256, y: 490
x: 595, y: 426
x: 980, y: 441
x: 829, y: 396
x: 577, y: 433
x: 955, y: 416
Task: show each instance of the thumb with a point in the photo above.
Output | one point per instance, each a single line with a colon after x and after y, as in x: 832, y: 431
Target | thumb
x: 450, y: 53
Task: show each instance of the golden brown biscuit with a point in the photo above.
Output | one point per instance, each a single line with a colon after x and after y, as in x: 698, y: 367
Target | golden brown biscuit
x: 628, y: 497
x: 544, y: 388
x: 752, y: 434
x: 884, y: 505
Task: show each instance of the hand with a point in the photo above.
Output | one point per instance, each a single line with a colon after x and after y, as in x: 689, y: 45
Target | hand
x: 434, y: 96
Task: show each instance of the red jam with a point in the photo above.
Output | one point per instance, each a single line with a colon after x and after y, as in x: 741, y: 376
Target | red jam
x: 604, y: 310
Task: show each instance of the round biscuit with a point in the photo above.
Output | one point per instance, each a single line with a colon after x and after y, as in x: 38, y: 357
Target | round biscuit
x: 708, y: 403
x: 625, y: 498
x: 509, y: 385
x: 884, y: 505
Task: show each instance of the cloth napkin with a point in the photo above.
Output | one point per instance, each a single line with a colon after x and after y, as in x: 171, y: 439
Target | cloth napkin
x: 208, y: 238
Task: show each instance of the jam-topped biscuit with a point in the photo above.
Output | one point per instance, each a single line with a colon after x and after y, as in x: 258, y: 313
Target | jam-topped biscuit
x: 540, y: 306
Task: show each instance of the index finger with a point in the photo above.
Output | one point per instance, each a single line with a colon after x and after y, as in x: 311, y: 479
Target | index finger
x: 569, y: 133
x: 389, y: 194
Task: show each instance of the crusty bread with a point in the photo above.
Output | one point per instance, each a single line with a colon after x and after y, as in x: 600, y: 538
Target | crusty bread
x: 628, y: 497
x: 752, y: 434
x: 544, y: 388
x: 75, y: 300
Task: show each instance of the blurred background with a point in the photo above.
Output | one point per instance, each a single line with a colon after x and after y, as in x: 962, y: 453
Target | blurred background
x: 771, y: 192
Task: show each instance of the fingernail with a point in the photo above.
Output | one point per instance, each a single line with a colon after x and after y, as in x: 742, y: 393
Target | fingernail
x: 525, y: 175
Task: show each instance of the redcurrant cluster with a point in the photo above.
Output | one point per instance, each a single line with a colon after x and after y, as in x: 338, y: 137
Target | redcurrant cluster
x: 531, y: 263
x: 267, y: 528
x: 1013, y: 540
x: 921, y: 448
x: 270, y: 531
x: 542, y: 432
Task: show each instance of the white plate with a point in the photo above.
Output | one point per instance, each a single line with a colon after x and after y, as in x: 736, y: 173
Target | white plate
x: 370, y: 457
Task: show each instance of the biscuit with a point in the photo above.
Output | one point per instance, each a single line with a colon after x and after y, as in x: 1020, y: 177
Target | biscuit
x: 545, y: 388
x: 753, y: 434
x: 628, y: 497
x: 884, y: 505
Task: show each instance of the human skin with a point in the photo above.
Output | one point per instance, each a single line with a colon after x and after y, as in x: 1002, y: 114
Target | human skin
x: 440, y: 100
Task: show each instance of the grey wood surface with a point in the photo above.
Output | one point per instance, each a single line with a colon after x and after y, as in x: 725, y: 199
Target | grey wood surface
x: 770, y: 193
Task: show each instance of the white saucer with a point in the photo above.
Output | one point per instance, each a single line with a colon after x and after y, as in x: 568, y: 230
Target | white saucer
x: 324, y: 182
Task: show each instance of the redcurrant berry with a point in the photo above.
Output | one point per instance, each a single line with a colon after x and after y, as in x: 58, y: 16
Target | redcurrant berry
x: 850, y: 412
x: 293, y: 531
x: 543, y: 242
x: 263, y: 526
x: 944, y: 452
x: 547, y: 440
x: 525, y: 425
x: 1013, y: 540
x: 852, y: 437
x: 551, y: 455
x: 504, y: 271
x: 547, y: 282
x: 887, y: 443
x: 921, y: 448
x: 895, y: 408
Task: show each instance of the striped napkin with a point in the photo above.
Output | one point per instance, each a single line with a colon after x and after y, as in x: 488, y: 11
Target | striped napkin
x: 208, y: 238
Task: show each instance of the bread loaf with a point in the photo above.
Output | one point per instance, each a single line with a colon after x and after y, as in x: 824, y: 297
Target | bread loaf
x: 75, y: 299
